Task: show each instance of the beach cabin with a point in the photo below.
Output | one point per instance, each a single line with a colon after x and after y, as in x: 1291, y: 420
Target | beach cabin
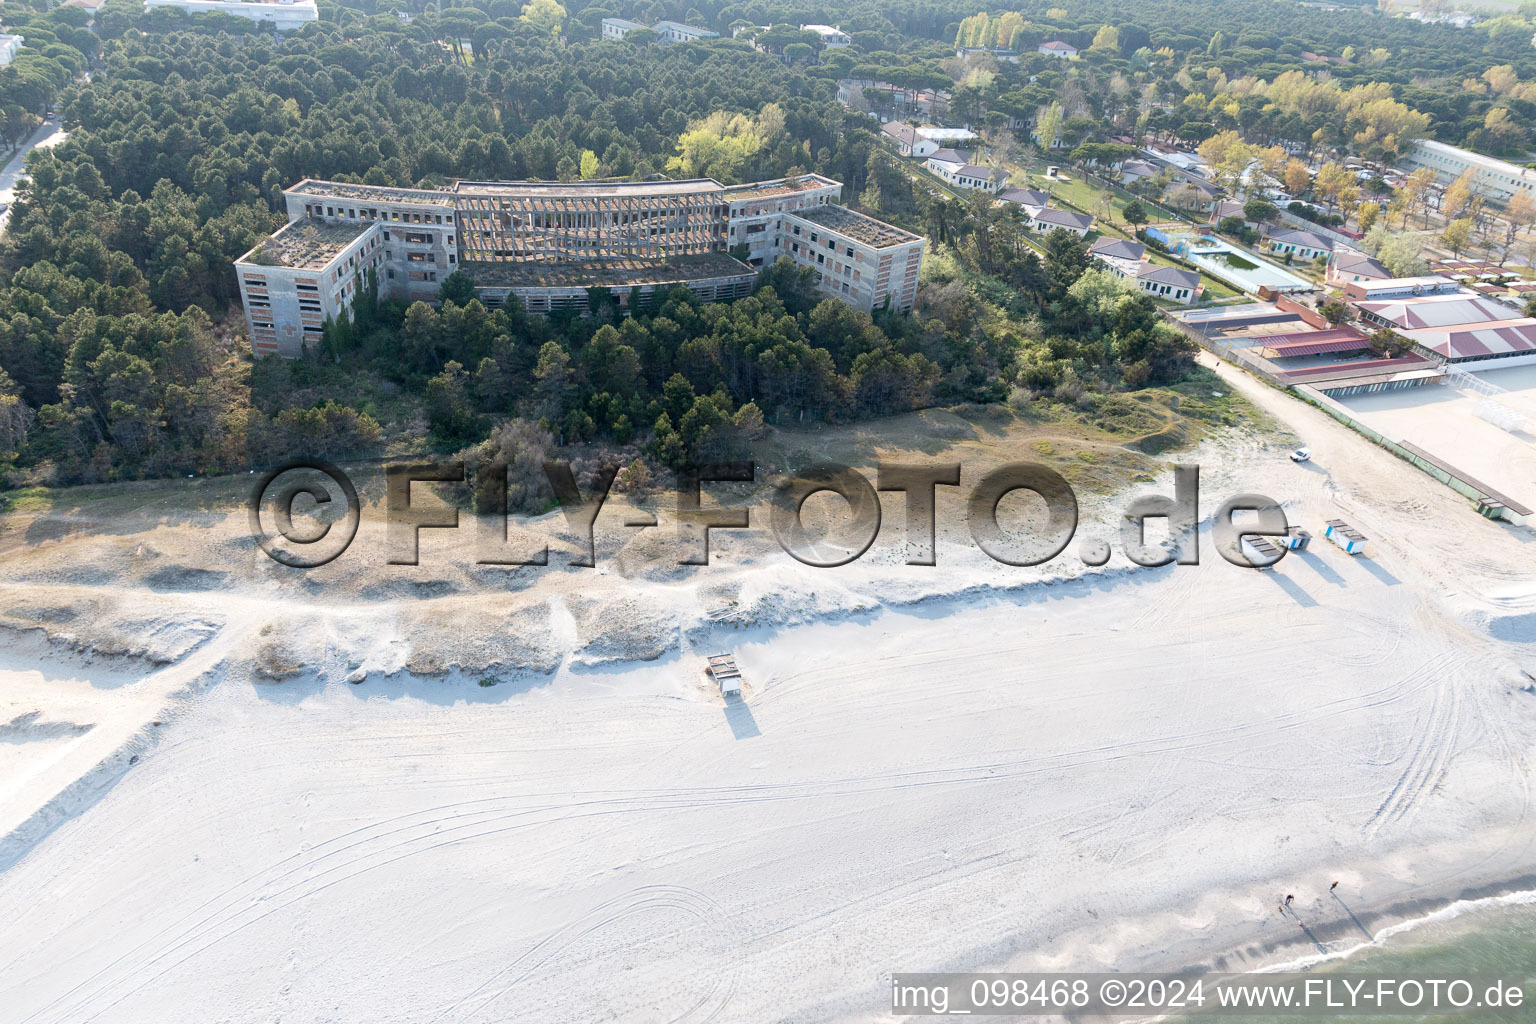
x: 1345, y: 536
x: 1261, y: 551
x: 1296, y: 539
x: 722, y: 668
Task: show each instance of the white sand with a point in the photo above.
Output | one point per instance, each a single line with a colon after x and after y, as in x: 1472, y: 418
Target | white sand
x: 1444, y: 421
x: 1127, y: 770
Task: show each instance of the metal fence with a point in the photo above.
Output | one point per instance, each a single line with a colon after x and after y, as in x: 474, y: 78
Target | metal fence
x: 1225, y: 350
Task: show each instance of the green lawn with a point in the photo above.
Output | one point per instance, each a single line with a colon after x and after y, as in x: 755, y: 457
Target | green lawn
x: 1087, y: 195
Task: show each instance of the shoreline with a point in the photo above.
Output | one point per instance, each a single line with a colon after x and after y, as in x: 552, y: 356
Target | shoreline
x: 1479, y: 900
x: 968, y: 769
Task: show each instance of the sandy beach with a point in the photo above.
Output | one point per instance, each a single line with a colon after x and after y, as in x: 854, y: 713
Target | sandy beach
x: 530, y: 804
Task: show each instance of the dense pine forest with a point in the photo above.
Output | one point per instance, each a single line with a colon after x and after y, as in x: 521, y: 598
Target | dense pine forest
x: 121, y: 354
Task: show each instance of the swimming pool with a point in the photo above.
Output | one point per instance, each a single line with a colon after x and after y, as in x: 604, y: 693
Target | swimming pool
x: 1238, y: 268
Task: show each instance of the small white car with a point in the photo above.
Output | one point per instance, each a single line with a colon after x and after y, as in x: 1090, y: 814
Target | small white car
x: 1301, y: 455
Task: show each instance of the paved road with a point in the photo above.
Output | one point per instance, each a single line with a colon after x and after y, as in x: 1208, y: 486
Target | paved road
x: 48, y: 134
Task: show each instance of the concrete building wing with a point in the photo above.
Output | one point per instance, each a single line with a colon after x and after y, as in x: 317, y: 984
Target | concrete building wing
x: 1497, y: 179
x: 547, y: 243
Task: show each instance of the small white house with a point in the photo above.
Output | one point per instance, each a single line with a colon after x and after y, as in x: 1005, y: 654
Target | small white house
x: 1346, y: 266
x: 1301, y: 244
x: 1169, y: 283
x: 831, y: 38
x: 1029, y: 198
x: 908, y: 140
x: 1057, y: 48
x: 1119, y: 256
x: 979, y: 177
x: 955, y: 167
x: 1132, y: 171
x: 945, y: 162
x: 1049, y: 219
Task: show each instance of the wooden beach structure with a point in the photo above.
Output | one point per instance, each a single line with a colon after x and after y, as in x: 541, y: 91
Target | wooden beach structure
x: 1295, y: 539
x: 1345, y: 536
x: 1260, y: 551
x: 722, y: 668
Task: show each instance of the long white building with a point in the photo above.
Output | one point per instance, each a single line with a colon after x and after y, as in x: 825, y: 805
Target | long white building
x: 281, y: 15
x: 669, y: 31
x: 548, y: 243
x: 1496, y: 179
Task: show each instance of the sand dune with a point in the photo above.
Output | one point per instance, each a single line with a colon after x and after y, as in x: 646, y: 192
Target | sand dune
x: 529, y: 804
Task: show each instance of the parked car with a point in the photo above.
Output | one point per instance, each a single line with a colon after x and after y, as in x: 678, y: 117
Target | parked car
x: 1301, y: 455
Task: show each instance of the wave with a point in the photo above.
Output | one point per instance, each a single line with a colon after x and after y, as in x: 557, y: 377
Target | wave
x: 1449, y: 912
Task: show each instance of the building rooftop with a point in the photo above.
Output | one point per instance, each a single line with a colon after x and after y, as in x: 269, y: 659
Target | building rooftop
x: 605, y: 273
x: 979, y: 171
x: 1169, y: 275
x: 587, y: 189
x: 1439, y: 311
x: 860, y: 228
x: 371, y: 193
x: 1474, y: 341
x: 1118, y: 248
x: 1350, y: 262
x: 305, y: 244
x: 937, y: 134
x: 1314, y: 343
x: 1428, y: 282
x: 1057, y: 44
x: 1024, y: 196
x: 1065, y: 218
x: 781, y: 187
x: 1306, y: 239
x: 677, y: 26
x: 951, y: 156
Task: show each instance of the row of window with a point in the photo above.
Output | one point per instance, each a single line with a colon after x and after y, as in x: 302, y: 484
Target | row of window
x: 355, y: 213
x: 838, y: 266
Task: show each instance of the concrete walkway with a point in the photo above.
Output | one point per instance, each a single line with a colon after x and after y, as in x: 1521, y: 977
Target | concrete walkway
x: 49, y: 133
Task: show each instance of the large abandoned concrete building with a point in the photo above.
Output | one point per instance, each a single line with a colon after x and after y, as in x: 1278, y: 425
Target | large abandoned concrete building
x: 548, y: 243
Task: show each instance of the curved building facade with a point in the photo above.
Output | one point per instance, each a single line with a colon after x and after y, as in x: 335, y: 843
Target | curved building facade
x: 548, y: 243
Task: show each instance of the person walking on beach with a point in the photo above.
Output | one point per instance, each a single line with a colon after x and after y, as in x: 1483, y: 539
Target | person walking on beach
x: 1334, y: 886
x: 1288, y: 899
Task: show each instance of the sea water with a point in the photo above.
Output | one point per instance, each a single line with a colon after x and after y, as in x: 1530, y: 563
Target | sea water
x: 1494, y: 936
